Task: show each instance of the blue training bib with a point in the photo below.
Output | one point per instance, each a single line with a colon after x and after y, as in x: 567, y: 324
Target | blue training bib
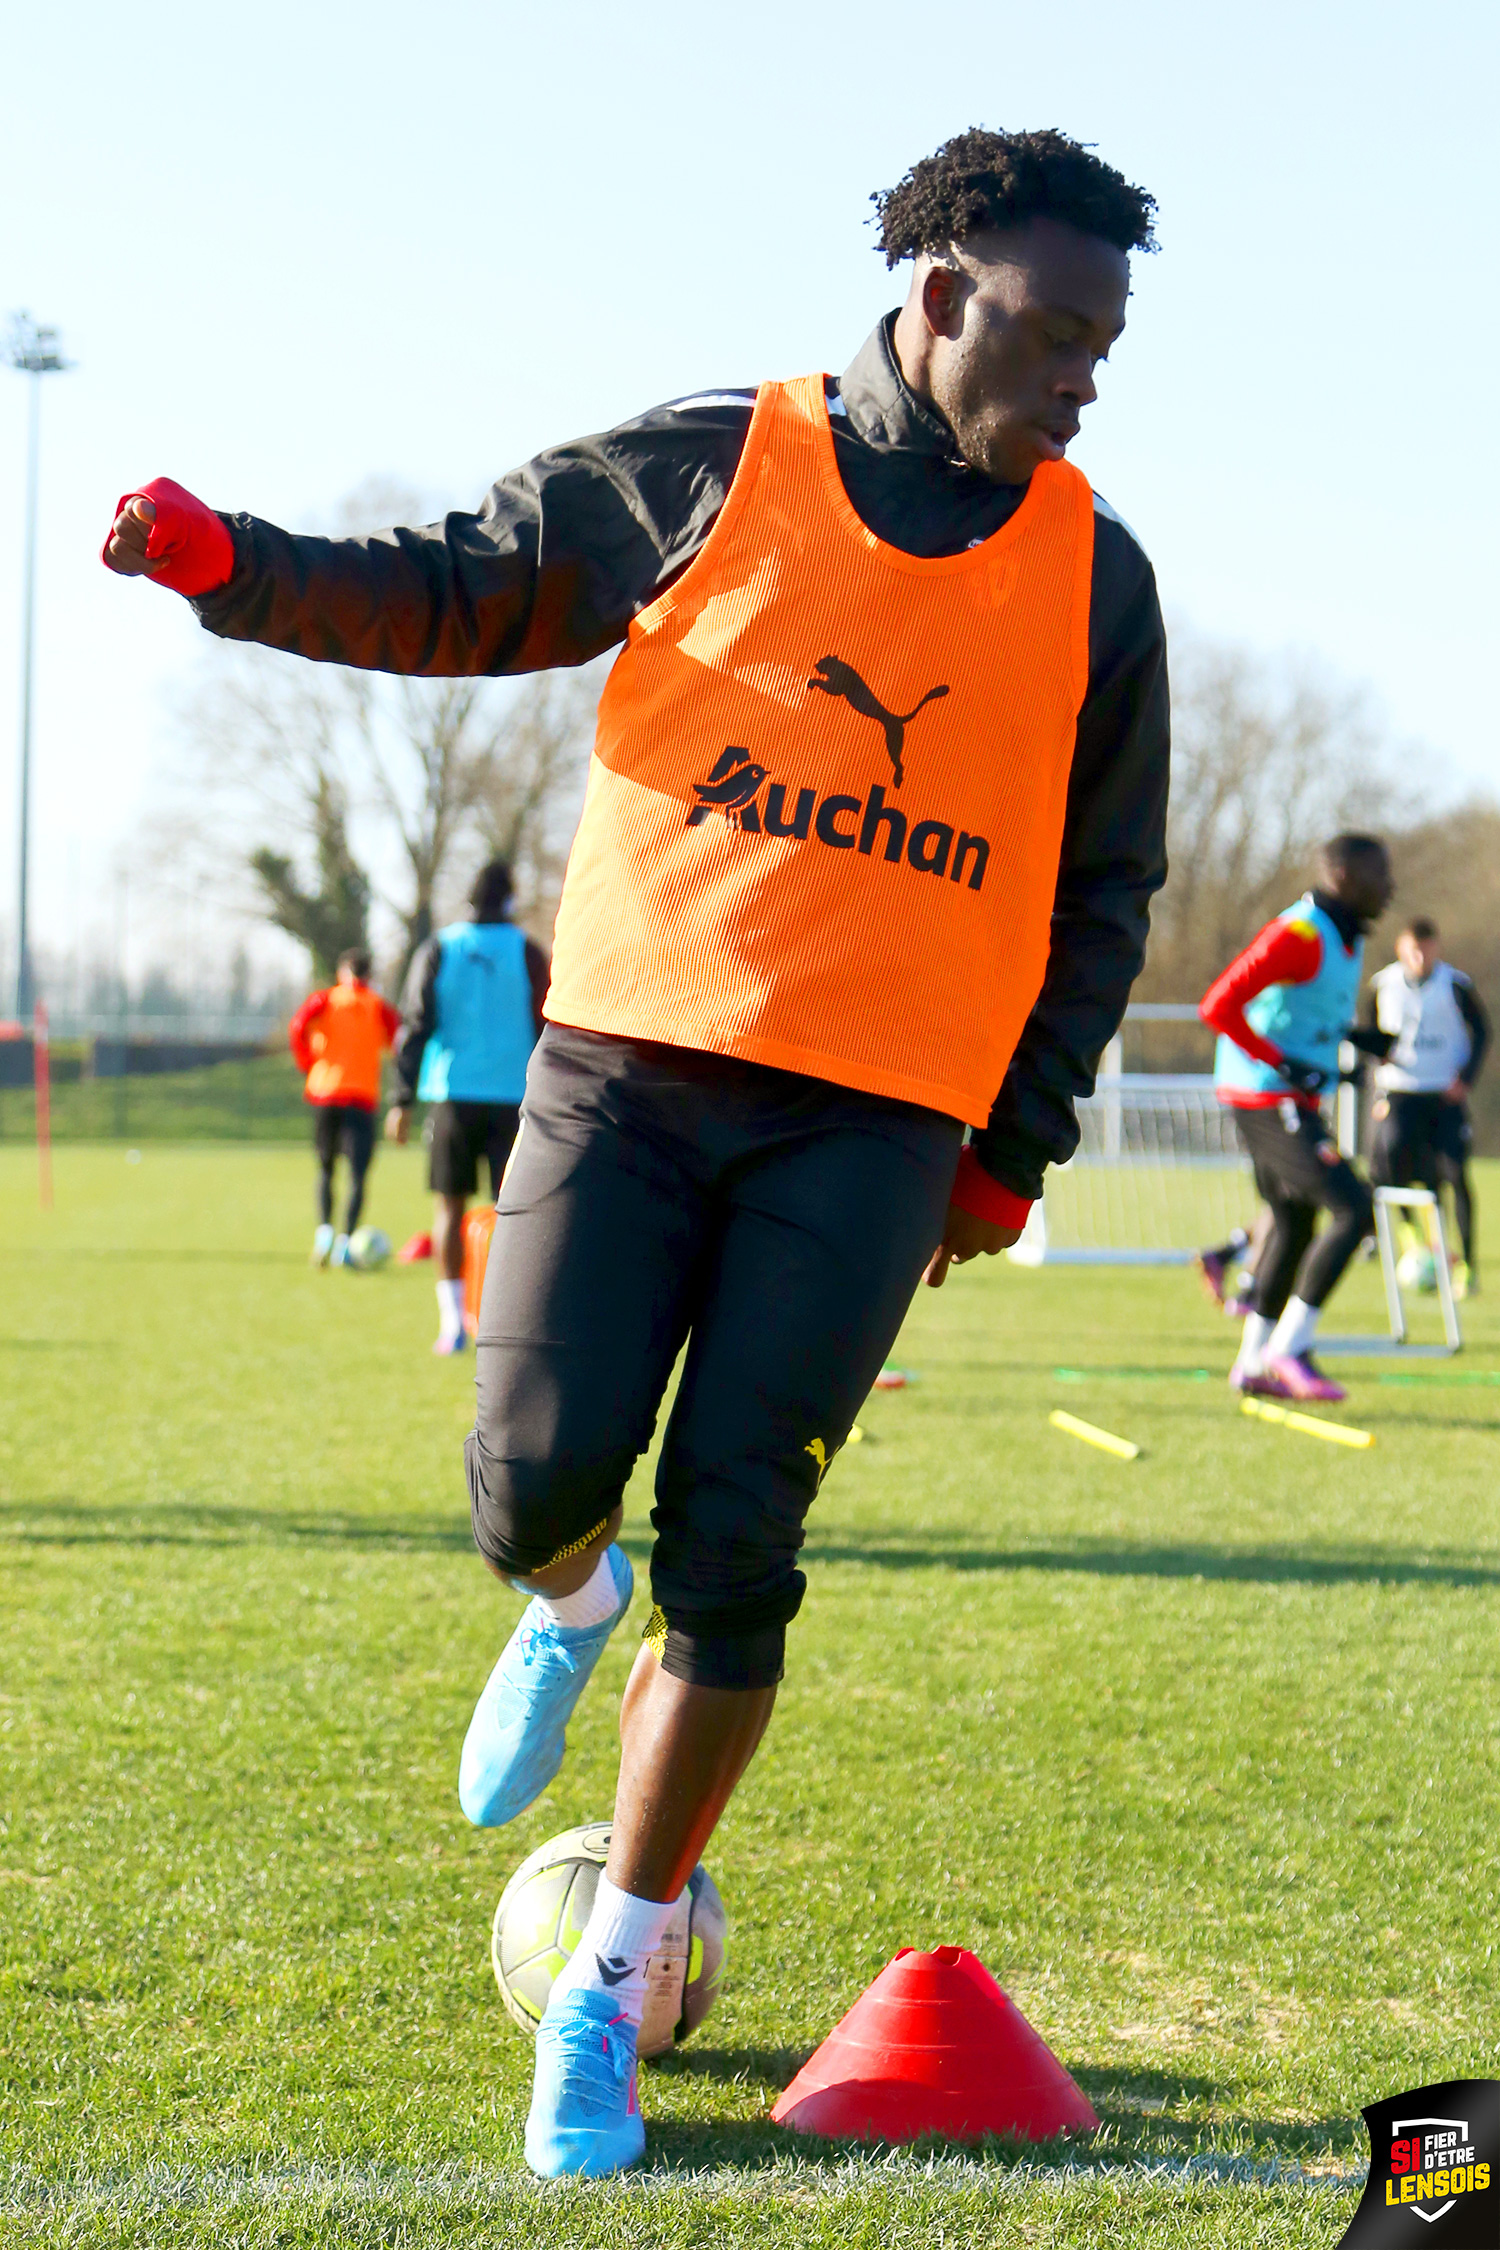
x: 485, y: 1031
x: 1306, y: 1021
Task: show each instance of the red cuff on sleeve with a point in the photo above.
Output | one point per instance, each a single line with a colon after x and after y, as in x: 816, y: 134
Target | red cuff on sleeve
x: 194, y: 541
x: 983, y: 1198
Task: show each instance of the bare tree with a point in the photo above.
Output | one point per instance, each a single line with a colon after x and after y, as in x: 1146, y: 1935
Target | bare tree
x: 422, y: 748
x: 312, y: 793
x: 530, y: 789
x: 336, y: 915
x: 1267, y: 760
x: 322, y: 792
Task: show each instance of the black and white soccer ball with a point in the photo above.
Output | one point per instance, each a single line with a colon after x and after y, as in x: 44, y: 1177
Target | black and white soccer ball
x: 541, y: 1917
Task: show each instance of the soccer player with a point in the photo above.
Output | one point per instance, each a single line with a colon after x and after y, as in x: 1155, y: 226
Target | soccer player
x: 338, y: 1038
x: 1435, y: 1032
x: 1281, y: 1011
x: 473, y: 1013
x: 874, y: 819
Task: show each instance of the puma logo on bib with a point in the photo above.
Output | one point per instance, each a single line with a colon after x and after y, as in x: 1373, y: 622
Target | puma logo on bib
x: 835, y: 677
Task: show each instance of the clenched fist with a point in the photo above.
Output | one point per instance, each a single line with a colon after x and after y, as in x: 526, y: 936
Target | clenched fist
x: 162, y: 532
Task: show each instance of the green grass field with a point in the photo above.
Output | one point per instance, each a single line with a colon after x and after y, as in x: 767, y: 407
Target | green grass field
x: 1201, y: 1754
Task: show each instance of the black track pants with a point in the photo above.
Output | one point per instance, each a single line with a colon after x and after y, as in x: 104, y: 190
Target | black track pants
x: 1423, y: 1141
x: 1298, y: 1172
x: 775, y: 1224
x: 342, y: 1126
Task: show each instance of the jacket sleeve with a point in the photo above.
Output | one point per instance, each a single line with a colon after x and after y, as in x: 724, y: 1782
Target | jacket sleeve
x: 549, y: 570
x: 1113, y: 861
x: 539, y: 976
x: 418, y: 1022
x: 1365, y: 1035
x: 1282, y: 953
x: 1471, y: 1008
x: 300, y: 1027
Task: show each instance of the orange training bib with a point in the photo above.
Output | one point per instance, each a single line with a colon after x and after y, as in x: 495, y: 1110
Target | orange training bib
x: 348, y: 1040
x: 826, y: 800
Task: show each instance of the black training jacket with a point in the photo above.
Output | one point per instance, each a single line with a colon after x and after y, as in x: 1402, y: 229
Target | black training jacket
x: 564, y: 552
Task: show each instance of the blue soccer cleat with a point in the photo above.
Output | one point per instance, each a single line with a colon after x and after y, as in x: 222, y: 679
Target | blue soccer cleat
x: 518, y: 1733
x: 322, y: 1249
x: 585, y: 2117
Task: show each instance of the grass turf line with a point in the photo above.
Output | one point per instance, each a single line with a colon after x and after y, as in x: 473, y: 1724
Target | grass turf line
x: 1201, y: 1756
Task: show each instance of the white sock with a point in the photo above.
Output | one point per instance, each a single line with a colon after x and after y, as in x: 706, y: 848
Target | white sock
x: 450, y: 1297
x: 1295, y: 1331
x: 1254, y: 1337
x: 622, y: 1934
x: 597, y: 1598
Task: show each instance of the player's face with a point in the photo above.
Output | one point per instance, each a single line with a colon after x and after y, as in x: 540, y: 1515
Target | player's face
x: 1366, y: 885
x: 1418, y: 956
x: 1022, y: 323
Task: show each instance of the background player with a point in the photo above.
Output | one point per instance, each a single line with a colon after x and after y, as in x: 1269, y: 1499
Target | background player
x: 1281, y: 1011
x: 338, y: 1038
x: 473, y: 1013
x: 785, y: 977
x: 1435, y: 1032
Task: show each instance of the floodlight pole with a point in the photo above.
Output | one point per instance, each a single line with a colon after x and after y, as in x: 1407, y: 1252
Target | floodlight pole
x: 33, y: 351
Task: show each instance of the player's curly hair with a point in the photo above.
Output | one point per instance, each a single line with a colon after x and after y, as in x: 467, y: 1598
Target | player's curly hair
x: 982, y: 179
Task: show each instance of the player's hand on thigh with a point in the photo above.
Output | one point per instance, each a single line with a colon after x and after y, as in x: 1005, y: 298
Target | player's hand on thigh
x: 965, y: 1237
x: 397, y: 1125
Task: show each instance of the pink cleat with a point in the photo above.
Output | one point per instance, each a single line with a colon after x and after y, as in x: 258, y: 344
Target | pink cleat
x: 1301, y: 1377
x: 1211, y: 1270
x: 450, y: 1346
x: 1261, y: 1385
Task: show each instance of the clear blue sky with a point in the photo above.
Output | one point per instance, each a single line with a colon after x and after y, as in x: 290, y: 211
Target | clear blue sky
x: 294, y: 247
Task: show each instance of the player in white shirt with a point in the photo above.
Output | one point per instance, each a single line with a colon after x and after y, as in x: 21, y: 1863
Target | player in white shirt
x: 1437, y: 1032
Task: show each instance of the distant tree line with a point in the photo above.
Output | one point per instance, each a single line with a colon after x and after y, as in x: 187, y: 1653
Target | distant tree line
x: 1266, y: 761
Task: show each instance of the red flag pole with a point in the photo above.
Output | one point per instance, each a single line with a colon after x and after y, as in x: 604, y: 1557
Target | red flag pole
x: 42, y: 1059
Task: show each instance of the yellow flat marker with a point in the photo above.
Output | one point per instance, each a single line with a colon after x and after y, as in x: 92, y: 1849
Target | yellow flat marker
x: 1311, y: 1425
x: 1106, y: 1440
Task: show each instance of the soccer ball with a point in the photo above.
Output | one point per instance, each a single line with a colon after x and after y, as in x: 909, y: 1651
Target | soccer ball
x: 369, y: 1248
x: 541, y: 1917
x: 1417, y: 1269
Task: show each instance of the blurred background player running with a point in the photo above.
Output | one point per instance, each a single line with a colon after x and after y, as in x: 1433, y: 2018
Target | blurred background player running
x: 1432, y: 1032
x: 1281, y: 1011
x: 472, y: 1014
x: 339, y: 1038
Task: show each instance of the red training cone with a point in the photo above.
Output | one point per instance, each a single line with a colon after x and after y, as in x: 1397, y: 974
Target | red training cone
x: 934, y: 2046
x: 410, y: 1253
